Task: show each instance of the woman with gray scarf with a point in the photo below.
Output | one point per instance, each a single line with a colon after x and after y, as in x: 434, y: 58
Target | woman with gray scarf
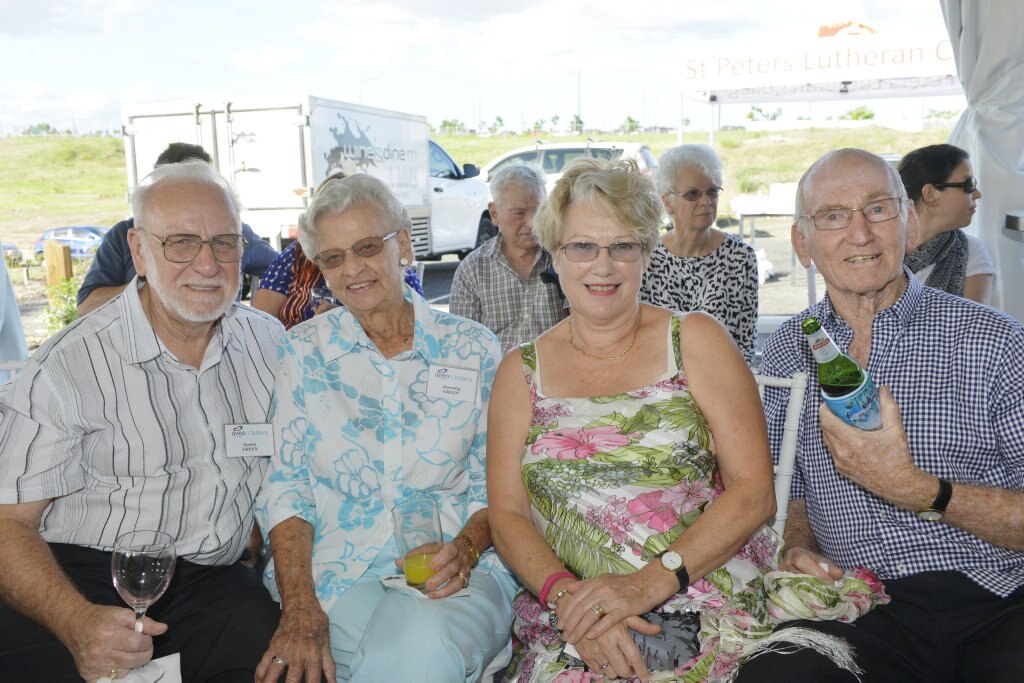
x: 940, y: 181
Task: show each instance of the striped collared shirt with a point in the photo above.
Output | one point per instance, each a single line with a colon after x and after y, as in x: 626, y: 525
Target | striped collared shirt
x: 487, y: 289
x: 956, y: 369
x: 105, y: 421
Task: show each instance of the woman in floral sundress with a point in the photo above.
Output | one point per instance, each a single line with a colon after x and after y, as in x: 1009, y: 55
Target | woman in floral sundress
x: 646, y: 464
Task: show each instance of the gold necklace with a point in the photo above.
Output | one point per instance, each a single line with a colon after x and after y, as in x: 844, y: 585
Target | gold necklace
x: 620, y: 354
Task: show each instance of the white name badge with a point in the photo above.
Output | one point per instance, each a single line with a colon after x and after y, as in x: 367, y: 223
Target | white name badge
x: 248, y: 441
x: 456, y: 384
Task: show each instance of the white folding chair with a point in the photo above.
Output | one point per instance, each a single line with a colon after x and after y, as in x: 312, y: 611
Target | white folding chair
x: 797, y: 385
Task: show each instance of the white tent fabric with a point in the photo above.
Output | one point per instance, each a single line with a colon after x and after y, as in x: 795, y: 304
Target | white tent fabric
x: 988, y: 46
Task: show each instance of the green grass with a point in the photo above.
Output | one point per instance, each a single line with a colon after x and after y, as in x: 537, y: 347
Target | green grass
x: 51, y: 181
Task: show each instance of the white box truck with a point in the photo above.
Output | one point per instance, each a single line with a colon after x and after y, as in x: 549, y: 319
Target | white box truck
x: 277, y: 153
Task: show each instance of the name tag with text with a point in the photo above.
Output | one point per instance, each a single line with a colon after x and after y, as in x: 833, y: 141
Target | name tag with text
x: 248, y: 441
x: 456, y: 384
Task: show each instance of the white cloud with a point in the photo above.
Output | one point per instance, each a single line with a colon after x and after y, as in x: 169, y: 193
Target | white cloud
x: 265, y: 58
x: 29, y: 17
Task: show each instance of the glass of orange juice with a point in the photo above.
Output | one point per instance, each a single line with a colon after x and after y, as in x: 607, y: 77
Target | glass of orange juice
x: 418, y: 534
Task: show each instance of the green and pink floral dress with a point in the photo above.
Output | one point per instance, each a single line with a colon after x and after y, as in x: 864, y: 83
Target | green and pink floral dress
x: 613, y: 481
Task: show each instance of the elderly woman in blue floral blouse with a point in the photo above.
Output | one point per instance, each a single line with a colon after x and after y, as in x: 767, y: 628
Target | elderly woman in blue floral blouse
x: 359, y: 428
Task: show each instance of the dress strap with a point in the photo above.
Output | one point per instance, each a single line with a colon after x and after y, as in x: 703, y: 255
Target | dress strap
x: 675, y: 344
x: 531, y: 367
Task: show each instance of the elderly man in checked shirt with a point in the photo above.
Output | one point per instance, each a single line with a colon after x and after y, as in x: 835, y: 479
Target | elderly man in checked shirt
x: 503, y: 284
x: 120, y: 422
x: 933, y: 499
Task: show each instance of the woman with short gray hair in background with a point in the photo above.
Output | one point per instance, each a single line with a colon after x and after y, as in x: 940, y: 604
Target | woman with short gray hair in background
x: 698, y: 267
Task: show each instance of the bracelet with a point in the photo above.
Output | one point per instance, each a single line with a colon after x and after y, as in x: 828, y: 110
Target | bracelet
x: 558, y: 596
x: 470, y: 548
x: 543, y: 597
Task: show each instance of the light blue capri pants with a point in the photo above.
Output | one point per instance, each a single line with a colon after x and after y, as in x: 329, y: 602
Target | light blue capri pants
x: 386, y: 635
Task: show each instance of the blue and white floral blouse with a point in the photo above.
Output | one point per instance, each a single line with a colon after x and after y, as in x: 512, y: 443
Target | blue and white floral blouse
x: 357, y: 433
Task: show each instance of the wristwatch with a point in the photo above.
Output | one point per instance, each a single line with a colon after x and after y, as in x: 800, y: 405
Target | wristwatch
x: 938, y: 508
x: 673, y: 562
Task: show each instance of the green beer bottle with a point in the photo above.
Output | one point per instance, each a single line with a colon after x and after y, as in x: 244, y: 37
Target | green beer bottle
x: 847, y: 389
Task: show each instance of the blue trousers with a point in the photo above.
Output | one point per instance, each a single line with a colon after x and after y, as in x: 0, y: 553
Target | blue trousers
x: 386, y: 635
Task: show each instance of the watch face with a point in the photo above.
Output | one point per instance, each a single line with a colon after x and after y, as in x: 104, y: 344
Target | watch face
x: 671, y: 560
x: 929, y: 515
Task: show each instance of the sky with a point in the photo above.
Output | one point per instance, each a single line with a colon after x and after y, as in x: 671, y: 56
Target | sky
x: 75, y: 63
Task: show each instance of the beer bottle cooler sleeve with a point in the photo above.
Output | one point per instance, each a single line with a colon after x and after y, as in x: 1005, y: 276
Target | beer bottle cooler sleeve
x: 846, y: 388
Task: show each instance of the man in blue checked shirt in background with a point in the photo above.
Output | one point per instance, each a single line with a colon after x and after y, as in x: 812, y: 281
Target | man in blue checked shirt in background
x: 933, y: 500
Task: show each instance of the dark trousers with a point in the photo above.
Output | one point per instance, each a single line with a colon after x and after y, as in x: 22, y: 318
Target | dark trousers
x: 220, y: 619
x: 939, y: 627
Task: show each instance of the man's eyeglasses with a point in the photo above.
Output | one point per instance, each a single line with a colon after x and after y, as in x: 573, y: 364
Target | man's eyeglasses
x: 694, y: 194
x: 969, y: 185
x: 588, y: 251
x: 364, y: 248
x: 184, y: 248
x: 874, y: 212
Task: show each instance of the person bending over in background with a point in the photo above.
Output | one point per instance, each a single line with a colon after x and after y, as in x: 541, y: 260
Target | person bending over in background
x: 113, y: 268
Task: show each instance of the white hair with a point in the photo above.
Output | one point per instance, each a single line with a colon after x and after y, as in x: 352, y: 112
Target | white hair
x: 685, y: 156
x: 828, y: 163
x: 340, y: 195
x: 527, y: 176
x: 194, y: 171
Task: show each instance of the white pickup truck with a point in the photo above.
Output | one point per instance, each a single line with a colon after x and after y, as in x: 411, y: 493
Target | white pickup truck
x: 276, y: 153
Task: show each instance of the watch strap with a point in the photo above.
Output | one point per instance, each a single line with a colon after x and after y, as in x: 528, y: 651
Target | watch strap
x: 682, y: 574
x: 945, y: 493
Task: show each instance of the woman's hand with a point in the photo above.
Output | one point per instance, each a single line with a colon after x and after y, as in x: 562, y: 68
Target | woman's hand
x: 452, y: 566
x: 593, y: 606
x: 303, y: 642
x: 614, y: 654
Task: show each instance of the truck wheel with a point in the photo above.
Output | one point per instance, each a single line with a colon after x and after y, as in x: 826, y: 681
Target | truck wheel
x: 487, y: 230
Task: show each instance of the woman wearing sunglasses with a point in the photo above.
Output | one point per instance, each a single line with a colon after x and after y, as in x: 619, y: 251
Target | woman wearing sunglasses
x: 607, y: 437
x: 378, y: 402
x: 940, y: 181
x: 698, y: 267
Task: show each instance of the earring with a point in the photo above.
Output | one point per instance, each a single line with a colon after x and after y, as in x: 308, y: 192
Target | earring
x: 403, y: 261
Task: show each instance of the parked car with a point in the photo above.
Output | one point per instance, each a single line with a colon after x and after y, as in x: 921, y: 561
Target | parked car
x: 12, y: 254
x: 83, y: 239
x: 458, y: 201
x: 553, y: 157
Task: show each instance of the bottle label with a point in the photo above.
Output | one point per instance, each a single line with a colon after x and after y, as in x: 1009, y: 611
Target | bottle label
x: 859, y: 407
x: 822, y: 347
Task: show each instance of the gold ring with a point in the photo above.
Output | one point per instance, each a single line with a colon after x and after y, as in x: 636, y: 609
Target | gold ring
x: 598, y: 610
x: 113, y: 673
x: 465, y: 579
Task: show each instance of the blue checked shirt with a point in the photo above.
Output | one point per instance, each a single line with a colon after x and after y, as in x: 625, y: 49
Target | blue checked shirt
x: 956, y: 369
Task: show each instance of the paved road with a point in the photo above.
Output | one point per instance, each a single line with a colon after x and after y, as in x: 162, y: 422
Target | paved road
x: 437, y: 280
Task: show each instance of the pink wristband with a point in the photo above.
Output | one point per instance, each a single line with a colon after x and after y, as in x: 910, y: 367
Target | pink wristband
x: 543, y: 597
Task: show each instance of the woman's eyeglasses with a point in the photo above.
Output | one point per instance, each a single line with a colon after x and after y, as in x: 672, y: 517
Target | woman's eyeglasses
x: 694, y: 194
x: 969, y: 185
x: 364, y: 248
x: 588, y: 251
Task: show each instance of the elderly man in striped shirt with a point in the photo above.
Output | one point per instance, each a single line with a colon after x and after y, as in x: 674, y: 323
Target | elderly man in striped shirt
x: 504, y: 284
x: 128, y: 419
x: 934, y: 499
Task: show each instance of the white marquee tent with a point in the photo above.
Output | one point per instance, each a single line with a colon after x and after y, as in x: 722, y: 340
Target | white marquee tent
x: 982, y: 57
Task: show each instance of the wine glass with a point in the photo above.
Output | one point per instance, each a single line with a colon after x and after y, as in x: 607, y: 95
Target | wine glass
x: 142, y: 566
